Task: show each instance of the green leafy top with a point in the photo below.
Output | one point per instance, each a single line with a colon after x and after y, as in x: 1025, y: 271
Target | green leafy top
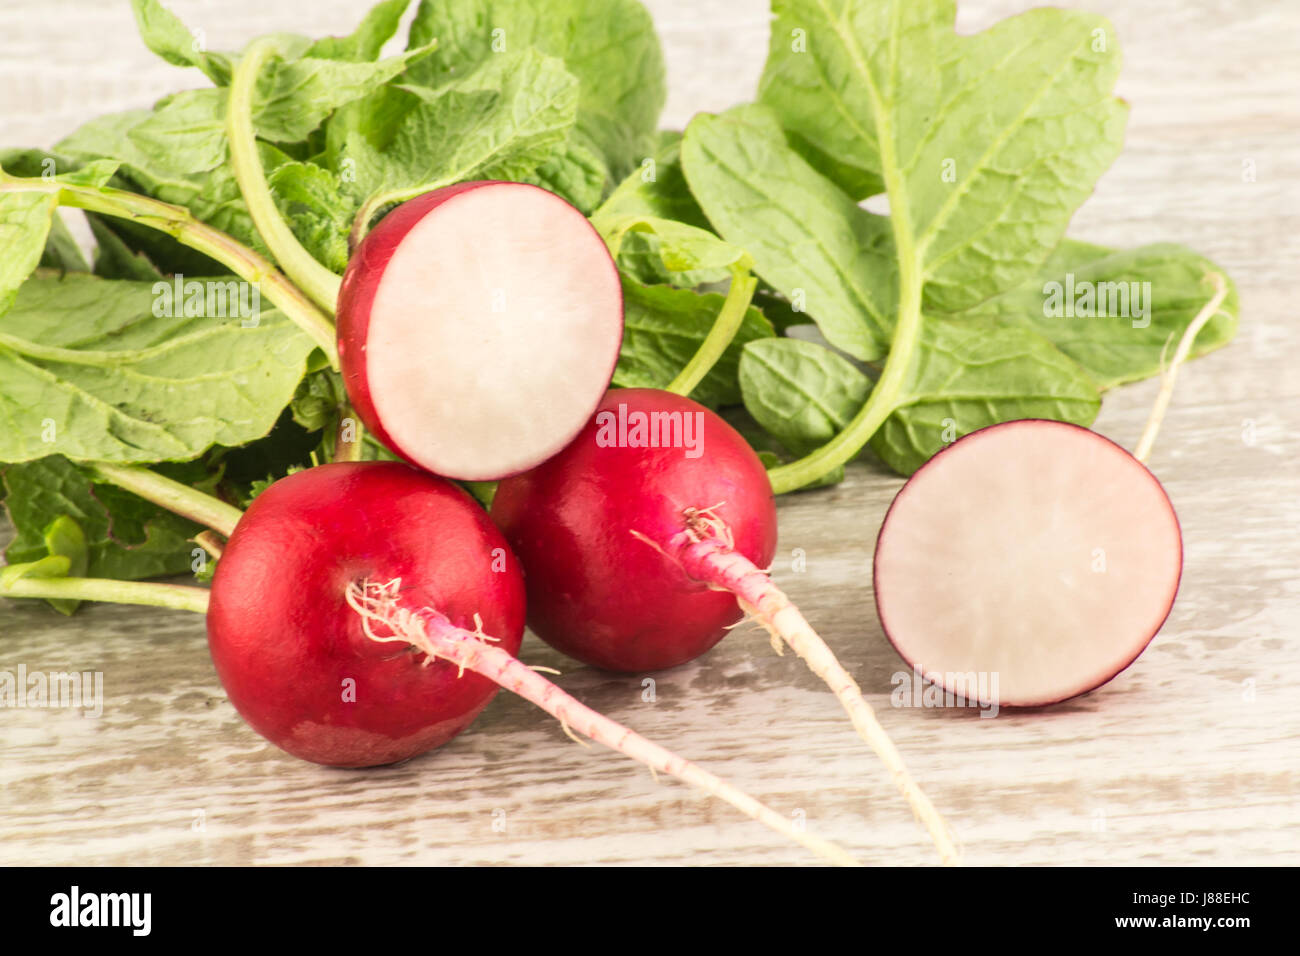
x: 119, y: 371
x: 609, y: 45
x: 957, y: 308
x: 125, y: 536
x: 984, y: 144
x: 807, y: 237
x: 501, y: 121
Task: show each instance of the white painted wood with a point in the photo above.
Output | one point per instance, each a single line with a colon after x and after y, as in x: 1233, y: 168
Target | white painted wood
x: 1190, y: 756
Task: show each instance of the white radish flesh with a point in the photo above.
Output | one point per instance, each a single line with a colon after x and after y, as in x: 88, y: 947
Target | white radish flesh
x: 480, y: 328
x: 1036, y: 551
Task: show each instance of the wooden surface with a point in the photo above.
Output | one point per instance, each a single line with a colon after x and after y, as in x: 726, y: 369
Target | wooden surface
x: 1190, y: 756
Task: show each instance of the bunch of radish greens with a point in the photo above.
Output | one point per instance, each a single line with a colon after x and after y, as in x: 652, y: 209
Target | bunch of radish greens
x: 332, y: 265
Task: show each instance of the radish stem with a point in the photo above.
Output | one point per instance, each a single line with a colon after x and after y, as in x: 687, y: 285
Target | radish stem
x: 299, y: 264
x: 361, y: 222
x: 1170, y: 374
x: 724, y: 329
x: 345, y: 450
x: 432, y: 633
x: 179, y: 597
x: 707, y: 555
x: 172, y: 495
x: 888, y: 392
x: 177, y: 222
x: 210, y: 542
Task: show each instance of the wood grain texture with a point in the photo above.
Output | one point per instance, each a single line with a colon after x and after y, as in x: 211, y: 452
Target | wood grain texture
x: 1192, y: 755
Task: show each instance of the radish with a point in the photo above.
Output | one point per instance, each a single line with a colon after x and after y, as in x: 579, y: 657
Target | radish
x: 478, y: 327
x: 293, y: 655
x: 1035, y: 551
x: 365, y: 612
x: 580, y: 522
x: 644, y: 540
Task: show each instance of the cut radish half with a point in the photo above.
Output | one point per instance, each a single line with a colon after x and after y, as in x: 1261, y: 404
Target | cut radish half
x: 1036, y: 557
x: 479, y: 326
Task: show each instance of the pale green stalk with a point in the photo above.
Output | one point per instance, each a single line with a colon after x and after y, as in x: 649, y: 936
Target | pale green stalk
x: 301, y: 266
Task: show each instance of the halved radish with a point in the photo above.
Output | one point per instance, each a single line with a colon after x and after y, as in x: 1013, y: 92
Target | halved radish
x: 479, y: 326
x: 1036, y: 551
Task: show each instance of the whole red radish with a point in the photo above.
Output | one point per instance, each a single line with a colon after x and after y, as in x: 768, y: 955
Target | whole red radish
x: 478, y: 327
x: 1038, y: 557
x: 365, y: 612
x: 294, y: 656
x: 645, y: 538
x: 580, y: 521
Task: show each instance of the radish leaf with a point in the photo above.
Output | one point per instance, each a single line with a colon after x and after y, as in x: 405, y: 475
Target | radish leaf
x: 314, y: 202
x: 984, y: 153
x: 125, y: 536
x: 983, y: 161
x: 365, y: 42
x: 575, y: 173
x: 801, y: 392
x: 114, y: 259
x: 501, y: 121
x: 165, y: 34
x: 175, y: 164
x: 87, y: 370
x: 65, y: 539
x: 664, y: 328
x: 609, y: 45
x: 971, y: 373
x: 1116, y: 344
x: 657, y: 232
x: 26, y: 217
x: 976, y: 372
x: 295, y: 95
x: 807, y: 237
x: 658, y: 189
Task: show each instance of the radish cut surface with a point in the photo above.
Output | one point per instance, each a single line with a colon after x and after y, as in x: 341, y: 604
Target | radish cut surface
x: 479, y: 326
x: 1037, y: 552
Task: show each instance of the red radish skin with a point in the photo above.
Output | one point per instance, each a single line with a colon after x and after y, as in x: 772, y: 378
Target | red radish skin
x: 595, y: 591
x: 284, y: 639
x: 1036, y: 551
x: 639, y: 558
x: 478, y: 327
x: 393, y: 580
